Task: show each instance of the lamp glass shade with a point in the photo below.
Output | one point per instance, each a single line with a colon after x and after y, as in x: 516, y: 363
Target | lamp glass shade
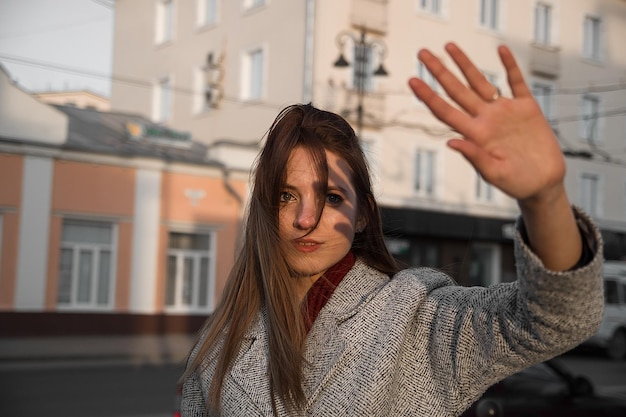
x: 341, y: 62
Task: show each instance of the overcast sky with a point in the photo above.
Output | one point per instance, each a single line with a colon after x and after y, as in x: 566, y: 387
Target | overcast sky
x: 51, y: 45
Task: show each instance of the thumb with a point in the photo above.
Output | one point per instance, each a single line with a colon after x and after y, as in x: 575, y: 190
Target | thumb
x: 470, y: 151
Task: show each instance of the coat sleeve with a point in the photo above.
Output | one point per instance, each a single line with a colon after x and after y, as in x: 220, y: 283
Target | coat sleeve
x: 480, y: 335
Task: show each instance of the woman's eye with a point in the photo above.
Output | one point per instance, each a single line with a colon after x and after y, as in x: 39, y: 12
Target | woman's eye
x: 286, y: 196
x: 334, y: 198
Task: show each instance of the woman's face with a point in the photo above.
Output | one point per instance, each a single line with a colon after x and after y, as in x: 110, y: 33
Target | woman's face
x: 311, y: 252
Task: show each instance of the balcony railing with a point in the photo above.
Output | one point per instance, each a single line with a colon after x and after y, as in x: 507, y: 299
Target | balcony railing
x: 545, y: 60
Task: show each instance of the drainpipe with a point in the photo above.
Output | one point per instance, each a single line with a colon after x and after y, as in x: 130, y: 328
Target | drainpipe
x: 309, y: 32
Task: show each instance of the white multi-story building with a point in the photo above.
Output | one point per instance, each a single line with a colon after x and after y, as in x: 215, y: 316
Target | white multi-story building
x: 223, y: 69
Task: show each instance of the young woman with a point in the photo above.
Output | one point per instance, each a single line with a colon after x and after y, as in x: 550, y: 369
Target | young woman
x: 316, y: 318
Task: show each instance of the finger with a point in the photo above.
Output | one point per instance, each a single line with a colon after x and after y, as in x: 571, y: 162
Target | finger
x: 467, y: 99
x: 476, y: 79
x: 474, y: 154
x: 442, y: 110
x: 513, y: 73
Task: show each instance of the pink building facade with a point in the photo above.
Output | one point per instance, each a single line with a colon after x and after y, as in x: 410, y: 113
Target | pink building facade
x: 123, y: 227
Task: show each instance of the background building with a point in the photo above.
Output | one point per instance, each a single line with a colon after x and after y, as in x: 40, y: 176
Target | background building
x: 82, y: 99
x: 222, y: 70
x: 108, y: 222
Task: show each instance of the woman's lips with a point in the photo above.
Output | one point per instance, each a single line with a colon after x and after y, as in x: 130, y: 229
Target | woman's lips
x: 306, y: 245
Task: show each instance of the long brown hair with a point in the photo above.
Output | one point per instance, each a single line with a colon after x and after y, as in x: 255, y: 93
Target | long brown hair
x: 261, y: 278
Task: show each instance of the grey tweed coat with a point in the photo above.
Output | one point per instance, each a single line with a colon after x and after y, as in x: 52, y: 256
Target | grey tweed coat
x: 417, y: 344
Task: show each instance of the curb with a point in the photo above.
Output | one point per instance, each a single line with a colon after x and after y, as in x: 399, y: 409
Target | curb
x: 16, y: 353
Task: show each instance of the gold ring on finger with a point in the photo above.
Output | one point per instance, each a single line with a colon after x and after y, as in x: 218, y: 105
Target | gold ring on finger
x: 496, y: 95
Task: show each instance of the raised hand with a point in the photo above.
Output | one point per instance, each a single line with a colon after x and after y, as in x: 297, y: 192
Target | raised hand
x: 507, y: 140
x: 513, y: 147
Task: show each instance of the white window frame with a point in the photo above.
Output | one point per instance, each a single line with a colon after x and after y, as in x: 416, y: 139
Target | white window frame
x: 543, y: 22
x: 590, y: 194
x: 590, y: 123
x: 253, y: 85
x: 369, y: 84
x: 162, y: 99
x: 426, y: 76
x: 544, y: 95
x: 593, y: 27
x: 371, y: 146
x: 165, y: 21
x: 96, y: 249
x: 424, y: 172
x: 483, y: 191
x: 494, y: 79
x: 489, y: 14
x: 433, y: 7
x: 200, y: 104
x: 494, y: 262
x: 207, y: 12
x: 196, y: 256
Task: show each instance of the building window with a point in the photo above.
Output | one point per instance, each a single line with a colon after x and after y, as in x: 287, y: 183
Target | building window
x: 253, y: 74
x: 543, y: 94
x: 543, y: 24
x: 589, y: 121
x: 424, y: 172
x: 484, y: 268
x: 201, y: 101
x: 162, y: 100
x: 430, y: 6
x: 363, y: 68
x: 190, y: 272
x: 591, y: 38
x: 207, y: 12
x: 590, y: 193
x: 492, y: 78
x: 165, y: 21
x: 86, y: 264
x: 484, y: 190
x: 427, y: 77
x: 489, y: 14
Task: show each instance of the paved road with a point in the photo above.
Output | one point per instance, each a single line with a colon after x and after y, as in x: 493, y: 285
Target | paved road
x: 89, y: 390
x: 101, y: 389
x: 608, y: 376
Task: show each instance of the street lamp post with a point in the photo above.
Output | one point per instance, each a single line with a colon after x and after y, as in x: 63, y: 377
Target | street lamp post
x: 362, y: 57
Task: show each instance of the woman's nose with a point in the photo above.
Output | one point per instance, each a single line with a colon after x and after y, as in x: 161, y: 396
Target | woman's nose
x: 305, y: 216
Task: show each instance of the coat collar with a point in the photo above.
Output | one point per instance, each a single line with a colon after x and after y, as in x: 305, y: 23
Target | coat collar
x: 324, y: 348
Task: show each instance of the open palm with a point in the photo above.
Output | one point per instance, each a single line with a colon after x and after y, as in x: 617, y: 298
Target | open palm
x: 507, y: 140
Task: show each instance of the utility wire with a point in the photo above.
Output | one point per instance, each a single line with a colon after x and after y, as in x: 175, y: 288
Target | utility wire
x: 430, y: 130
x: 126, y: 80
x: 49, y: 29
x: 614, y: 87
x: 562, y: 91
